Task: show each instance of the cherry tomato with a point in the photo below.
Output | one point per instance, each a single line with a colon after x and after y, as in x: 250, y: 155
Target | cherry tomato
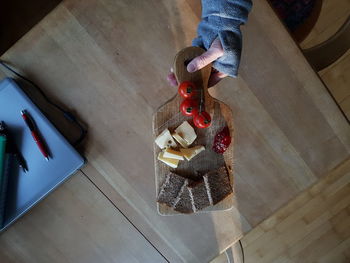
x: 202, y: 120
x: 189, y: 107
x: 187, y: 89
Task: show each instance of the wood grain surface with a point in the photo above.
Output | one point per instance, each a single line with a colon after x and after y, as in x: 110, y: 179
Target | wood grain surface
x: 314, y: 227
x: 333, y: 15
x: 75, y: 223
x: 169, y: 116
x: 107, y: 61
x: 337, y: 79
x: 316, y: 221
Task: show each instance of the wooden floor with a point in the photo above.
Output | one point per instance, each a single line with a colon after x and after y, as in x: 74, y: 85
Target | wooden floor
x: 337, y: 76
x: 333, y: 15
x: 315, y: 226
x: 337, y: 79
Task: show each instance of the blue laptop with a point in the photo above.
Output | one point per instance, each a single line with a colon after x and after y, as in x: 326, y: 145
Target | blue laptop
x: 24, y: 190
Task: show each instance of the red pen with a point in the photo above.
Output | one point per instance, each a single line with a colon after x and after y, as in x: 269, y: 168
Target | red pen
x: 35, y: 133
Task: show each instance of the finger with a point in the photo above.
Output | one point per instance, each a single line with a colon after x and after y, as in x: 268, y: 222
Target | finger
x: 213, y: 53
x: 203, y: 60
x: 172, y: 79
x: 215, y: 77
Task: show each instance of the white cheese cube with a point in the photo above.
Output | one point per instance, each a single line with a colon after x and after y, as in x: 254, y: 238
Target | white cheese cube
x: 186, y: 132
x: 165, y: 140
x: 192, y: 152
x: 170, y: 162
x: 172, y: 154
x: 181, y: 141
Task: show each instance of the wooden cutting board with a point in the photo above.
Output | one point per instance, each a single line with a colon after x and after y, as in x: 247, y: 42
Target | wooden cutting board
x: 169, y: 116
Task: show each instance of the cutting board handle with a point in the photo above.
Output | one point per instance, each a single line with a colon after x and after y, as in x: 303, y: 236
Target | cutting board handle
x: 199, y: 78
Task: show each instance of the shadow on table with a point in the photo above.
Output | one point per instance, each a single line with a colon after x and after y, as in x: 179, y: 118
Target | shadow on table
x: 17, y: 17
x: 13, y: 179
x: 67, y: 128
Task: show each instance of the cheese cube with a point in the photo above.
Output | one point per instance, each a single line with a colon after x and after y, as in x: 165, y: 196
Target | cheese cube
x: 165, y: 140
x: 172, y: 154
x: 186, y: 132
x: 168, y: 161
x: 192, y: 152
x: 181, y: 141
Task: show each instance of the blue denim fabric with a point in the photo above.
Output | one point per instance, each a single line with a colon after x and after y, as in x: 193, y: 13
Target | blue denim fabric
x: 223, y: 18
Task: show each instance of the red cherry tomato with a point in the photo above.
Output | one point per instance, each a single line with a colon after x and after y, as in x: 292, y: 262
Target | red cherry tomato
x: 187, y: 89
x: 189, y: 107
x: 202, y: 120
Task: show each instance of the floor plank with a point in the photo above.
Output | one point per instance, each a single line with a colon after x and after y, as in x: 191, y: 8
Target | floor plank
x: 337, y: 79
x: 337, y: 76
x: 319, y: 232
x: 333, y: 14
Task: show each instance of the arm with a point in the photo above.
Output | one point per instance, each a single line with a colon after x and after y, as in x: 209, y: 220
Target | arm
x: 221, y: 20
x: 219, y: 33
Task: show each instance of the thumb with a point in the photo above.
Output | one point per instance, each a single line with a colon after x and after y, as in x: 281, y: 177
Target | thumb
x: 213, y: 53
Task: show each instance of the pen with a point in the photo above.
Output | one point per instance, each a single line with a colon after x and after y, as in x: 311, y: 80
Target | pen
x: 12, y: 148
x: 35, y: 133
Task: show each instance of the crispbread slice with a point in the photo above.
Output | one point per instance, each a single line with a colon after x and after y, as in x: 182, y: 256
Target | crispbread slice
x: 199, y: 196
x: 170, y: 189
x: 184, y: 204
x: 218, y: 185
x: 187, y: 196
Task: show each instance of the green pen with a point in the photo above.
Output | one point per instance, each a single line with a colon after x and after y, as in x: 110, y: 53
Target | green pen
x: 2, y: 177
x: 12, y: 147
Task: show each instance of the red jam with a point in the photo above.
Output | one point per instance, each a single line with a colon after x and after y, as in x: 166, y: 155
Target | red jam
x: 222, y: 141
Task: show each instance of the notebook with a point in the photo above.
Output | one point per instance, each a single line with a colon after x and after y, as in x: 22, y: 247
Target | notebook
x: 24, y: 190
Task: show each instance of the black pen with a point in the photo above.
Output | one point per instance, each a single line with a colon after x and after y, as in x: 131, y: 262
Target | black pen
x: 12, y: 148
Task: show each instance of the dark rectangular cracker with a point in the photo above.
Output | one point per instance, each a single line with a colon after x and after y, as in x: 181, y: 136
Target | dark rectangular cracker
x: 218, y: 185
x: 199, y: 195
x: 184, y: 204
x: 170, y: 189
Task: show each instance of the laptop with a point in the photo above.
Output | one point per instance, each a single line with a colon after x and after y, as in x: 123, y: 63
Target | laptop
x: 26, y: 189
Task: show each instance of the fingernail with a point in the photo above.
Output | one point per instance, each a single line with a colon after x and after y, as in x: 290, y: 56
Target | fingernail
x: 191, y: 68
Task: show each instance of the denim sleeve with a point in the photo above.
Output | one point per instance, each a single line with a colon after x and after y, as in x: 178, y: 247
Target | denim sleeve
x: 223, y: 18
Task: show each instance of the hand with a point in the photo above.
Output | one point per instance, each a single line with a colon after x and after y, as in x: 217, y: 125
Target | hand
x: 213, y: 53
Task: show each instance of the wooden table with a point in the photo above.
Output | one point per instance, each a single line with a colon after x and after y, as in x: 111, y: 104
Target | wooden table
x: 107, y: 61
